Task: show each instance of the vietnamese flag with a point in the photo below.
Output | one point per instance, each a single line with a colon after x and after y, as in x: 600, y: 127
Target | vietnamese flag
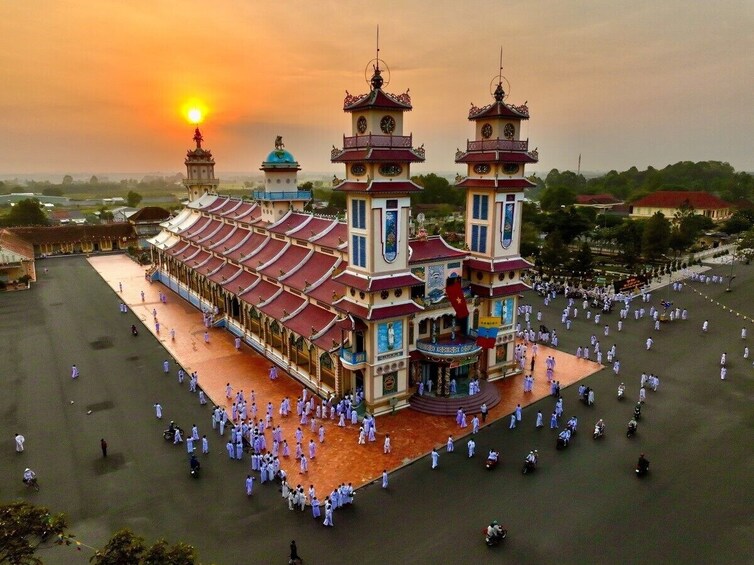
x: 454, y: 292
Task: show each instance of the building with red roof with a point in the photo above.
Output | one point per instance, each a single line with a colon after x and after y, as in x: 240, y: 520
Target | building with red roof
x: 355, y: 305
x: 670, y: 201
x: 16, y: 258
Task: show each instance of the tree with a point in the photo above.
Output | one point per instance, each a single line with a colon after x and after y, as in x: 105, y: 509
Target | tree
x: 25, y: 528
x: 554, y: 197
x: 745, y: 246
x: 68, y: 179
x: 27, y: 212
x: 656, y: 237
x: 628, y: 239
x: 52, y: 191
x: 133, y: 198
x: 740, y: 221
x: 308, y: 185
x: 582, y: 261
x: 105, y: 215
x: 554, y: 252
x: 94, y: 180
x: 126, y: 547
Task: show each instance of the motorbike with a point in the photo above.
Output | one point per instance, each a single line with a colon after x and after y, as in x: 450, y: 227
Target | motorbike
x: 529, y: 467
x: 631, y: 430
x: 490, y: 464
x: 621, y: 394
x: 599, y: 431
x: 561, y: 443
x: 494, y: 540
x: 134, y: 331
x: 169, y: 434
x: 637, y: 411
x: 642, y: 467
x: 32, y: 483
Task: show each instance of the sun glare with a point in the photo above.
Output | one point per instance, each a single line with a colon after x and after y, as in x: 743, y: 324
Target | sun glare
x: 195, y: 115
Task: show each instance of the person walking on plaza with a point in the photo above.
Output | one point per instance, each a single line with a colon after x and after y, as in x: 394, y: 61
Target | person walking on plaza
x: 435, y: 458
x: 450, y: 445
x: 205, y: 445
x: 166, y: 366
x: 513, y: 421
x: 483, y: 410
x: 158, y: 410
x: 328, y: 513
x: 74, y: 372
x: 20, y: 443
x: 386, y: 446
x: 249, y: 484
x: 705, y: 326
x: 103, y: 447
x: 238, y: 343
x: 471, y: 446
x: 518, y: 412
x: 539, y: 423
x: 384, y: 478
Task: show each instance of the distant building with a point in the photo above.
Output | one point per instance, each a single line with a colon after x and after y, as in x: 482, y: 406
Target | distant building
x: 66, y: 239
x: 16, y: 258
x: 599, y: 201
x: 17, y: 197
x: 122, y: 213
x: 669, y: 202
x: 146, y: 223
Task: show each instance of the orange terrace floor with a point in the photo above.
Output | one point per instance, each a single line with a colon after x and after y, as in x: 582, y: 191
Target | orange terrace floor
x: 339, y: 459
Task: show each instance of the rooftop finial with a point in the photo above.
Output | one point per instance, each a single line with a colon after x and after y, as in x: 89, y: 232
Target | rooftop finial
x: 377, y: 80
x: 499, y: 92
x: 198, y: 138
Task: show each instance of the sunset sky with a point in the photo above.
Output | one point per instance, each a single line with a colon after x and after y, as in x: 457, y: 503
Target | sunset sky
x: 98, y: 85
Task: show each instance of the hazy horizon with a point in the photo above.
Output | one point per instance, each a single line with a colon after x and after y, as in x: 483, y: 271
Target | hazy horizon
x: 100, y: 86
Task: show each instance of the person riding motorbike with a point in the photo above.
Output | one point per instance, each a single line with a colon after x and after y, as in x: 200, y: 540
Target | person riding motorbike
x: 563, y: 438
x: 599, y: 428
x: 621, y: 391
x: 134, y: 331
x: 494, y: 533
x: 632, y: 425
x: 533, y: 457
x: 29, y: 476
x: 572, y: 424
x: 492, y: 455
x: 642, y: 466
x: 637, y: 411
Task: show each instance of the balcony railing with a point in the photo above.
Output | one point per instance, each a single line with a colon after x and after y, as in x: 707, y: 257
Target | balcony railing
x: 282, y: 195
x: 448, y: 348
x: 353, y: 358
x: 498, y: 145
x: 369, y: 140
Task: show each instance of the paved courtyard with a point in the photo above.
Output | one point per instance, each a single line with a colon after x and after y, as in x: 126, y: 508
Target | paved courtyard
x: 582, y: 506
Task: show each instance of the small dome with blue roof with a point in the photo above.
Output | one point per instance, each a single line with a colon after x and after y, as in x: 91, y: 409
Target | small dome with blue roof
x: 280, y: 157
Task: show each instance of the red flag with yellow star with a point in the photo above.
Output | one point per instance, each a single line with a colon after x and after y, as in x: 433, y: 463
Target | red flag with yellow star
x: 454, y: 292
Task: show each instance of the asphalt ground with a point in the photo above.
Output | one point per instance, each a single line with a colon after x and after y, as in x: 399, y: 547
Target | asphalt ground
x: 583, y: 504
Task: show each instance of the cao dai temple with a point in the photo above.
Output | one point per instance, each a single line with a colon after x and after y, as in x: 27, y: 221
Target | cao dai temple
x: 356, y: 304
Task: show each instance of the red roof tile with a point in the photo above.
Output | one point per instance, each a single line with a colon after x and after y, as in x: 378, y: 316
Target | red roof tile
x: 496, y: 157
x: 335, y: 238
x: 16, y: 244
x: 241, y: 283
x: 179, y: 248
x: 196, y: 228
x: 381, y: 187
x: 500, y: 184
x: 312, y: 228
x: 292, y: 258
x: 498, y: 291
x: 282, y: 305
x: 241, y: 211
x: 393, y: 311
x: 328, y: 292
x: 37, y: 235
x: 329, y: 340
x: 498, y: 266
x: 217, y: 239
x: 433, y: 248
x: 210, y: 266
x: 228, y: 271
x: 209, y: 231
x: 149, y: 215
x: 378, y: 155
x: 268, y: 252
x: 596, y: 199
x: 260, y: 293
x: 377, y: 99
x: 251, y: 245
x: 288, y: 223
x: 233, y: 241
x: 311, y: 320
x: 218, y: 204
x: 499, y: 110
x: 676, y: 199
x: 316, y: 267
x: 376, y: 284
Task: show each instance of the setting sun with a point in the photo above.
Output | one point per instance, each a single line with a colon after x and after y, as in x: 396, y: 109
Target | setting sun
x: 195, y: 115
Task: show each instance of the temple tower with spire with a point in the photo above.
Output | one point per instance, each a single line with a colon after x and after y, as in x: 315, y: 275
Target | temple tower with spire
x: 495, y: 182
x: 200, y: 170
x: 281, y: 193
x: 378, y: 280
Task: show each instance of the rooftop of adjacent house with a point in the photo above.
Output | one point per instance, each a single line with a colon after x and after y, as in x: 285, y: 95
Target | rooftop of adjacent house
x: 14, y: 243
x: 675, y: 199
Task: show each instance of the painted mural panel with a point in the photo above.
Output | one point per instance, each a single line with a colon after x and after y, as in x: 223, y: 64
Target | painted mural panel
x: 435, y: 283
x: 390, y: 243
x: 504, y: 310
x: 508, y: 215
x: 389, y: 337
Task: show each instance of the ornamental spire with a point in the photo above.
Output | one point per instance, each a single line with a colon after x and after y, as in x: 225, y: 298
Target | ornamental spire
x: 198, y: 138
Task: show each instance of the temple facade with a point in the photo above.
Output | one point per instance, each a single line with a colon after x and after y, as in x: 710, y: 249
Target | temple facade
x: 354, y: 304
